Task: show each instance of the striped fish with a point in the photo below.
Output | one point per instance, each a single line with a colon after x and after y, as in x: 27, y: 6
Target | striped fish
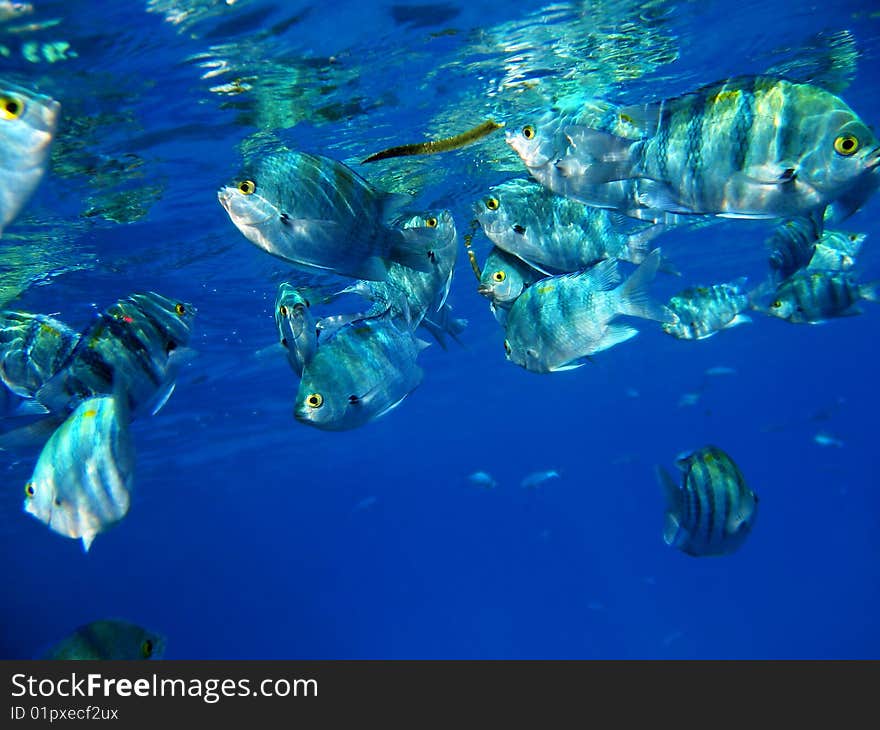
x: 296, y: 326
x: 33, y: 347
x: 321, y: 215
x: 133, y: 340
x: 704, y: 310
x: 837, y: 251
x: 748, y: 147
x: 109, y: 639
x: 556, y: 234
x: 812, y: 297
x: 713, y: 511
x: 504, y: 278
x: 82, y: 481
x: 792, y: 245
x: 559, y: 322
x: 28, y: 122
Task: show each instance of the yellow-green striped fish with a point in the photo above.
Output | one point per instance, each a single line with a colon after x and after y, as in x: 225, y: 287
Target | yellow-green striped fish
x: 713, y: 511
x: 82, y: 481
x: 748, y: 147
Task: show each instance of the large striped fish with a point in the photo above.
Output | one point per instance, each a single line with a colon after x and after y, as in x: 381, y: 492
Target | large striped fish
x: 27, y: 127
x: 748, y: 147
x: 321, y: 215
x: 811, y: 296
x: 133, y: 340
x: 33, y: 347
x: 82, y: 481
x: 713, y: 511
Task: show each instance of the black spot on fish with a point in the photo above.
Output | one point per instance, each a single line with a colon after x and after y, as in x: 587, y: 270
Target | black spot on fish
x: 285, y: 219
x: 354, y: 400
x: 284, y: 341
x: 432, y: 256
x: 519, y: 229
x: 57, y: 502
x: 170, y: 347
x: 789, y: 175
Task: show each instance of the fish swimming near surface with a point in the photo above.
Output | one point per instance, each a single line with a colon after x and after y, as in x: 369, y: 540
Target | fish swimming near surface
x: 704, y: 310
x: 108, y: 639
x: 296, y: 326
x: 713, y: 511
x: 320, y: 215
x: 28, y: 122
x: 555, y: 234
x: 362, y: 371
x: 419, y: 295
x: 33, y: 347
x: 138, y: 340
x: 482, y: 479
x: 811, y: 297
x: 748, y: 147
x: 81, y: 484
x: 538, y: 478
x: 559, y: 322
x: 503, y: 278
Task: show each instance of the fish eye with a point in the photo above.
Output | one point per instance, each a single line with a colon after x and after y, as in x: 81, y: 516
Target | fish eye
x: 506, y: 347
x: 315, y: 400
x: 179, y: 309
x: 492, y: 203
x: 431, y: 222
x: 528, y: 131
x: 499, y: 276
x: 147, y: 649
x: 846, y: 145
x: 29, y: 489
x: 282, y: 310
x: 853, y: 236
x: 777, y: 304
x: 10, y: 108
x: 246, y: 187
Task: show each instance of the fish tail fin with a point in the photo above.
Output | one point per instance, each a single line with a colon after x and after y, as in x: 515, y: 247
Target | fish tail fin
x: 634, y: 298
x: 868, y: 291
x: 411, y: 247
x: 598, y: 157
x: 672, y: 493
x: 637, y: 249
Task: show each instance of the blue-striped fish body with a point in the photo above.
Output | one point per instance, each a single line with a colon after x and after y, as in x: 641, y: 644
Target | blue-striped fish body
x: 321, y: 215
x: 108, y: 639
x: 33, y: 347
x: 413, y: 294
x: 792, y: 244
x: 812, y: 296
x: 135, y: 341
x: 556, y: 234
x: 27, y: 126
x: 748, y: 147
x: 296, y: 326
x: 704, y: 310
x: 559, y: 322
x: 713, y: 511
x: 362, y: 371
x: 836, y: 251
x: 82, y: 481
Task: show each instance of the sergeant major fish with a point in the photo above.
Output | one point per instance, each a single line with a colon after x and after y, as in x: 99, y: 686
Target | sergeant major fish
x: 555, y: 234
x: 704, y: 310
x: 361, y: 372
x: 82, y: 481
x: 713, y: 511
x: 33, y: 347
x: 811, y: 297
x: 28, y: 121
x: 321, y: 215
x: 559, y: 322
x: 135, y: 341
x: 748, y: 147
x: 108, y: 639
x: 504, y: 277
x: 296, y: 326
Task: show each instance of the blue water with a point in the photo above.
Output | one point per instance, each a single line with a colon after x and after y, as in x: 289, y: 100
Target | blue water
x: 253, y: 536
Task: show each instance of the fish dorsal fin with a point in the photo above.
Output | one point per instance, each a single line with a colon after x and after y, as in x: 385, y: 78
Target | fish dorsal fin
x: 603, y: 276
x: 393, y: 205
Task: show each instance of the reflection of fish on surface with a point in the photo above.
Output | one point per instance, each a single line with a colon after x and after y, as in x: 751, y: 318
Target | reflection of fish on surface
x: 107, y: 640
x: 538, y: 478
x: 82, y: 481
x: 482, y: 479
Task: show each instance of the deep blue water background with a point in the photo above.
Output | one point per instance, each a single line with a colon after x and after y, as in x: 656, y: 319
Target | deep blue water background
x: 253, y: 536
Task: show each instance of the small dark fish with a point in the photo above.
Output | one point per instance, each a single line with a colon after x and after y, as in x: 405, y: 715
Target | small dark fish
x: 713, y: 511
x: 438, y: 145
x: 109, y: 639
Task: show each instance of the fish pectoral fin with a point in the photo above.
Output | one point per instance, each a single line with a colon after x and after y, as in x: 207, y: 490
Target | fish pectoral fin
x: 571, y: 365
x: 598, y: 157
x: 30, y: 407
x: 671, y: 529
x: 738, y: 320
x: 87, y: 539
x: 410, y: 247
x: 615, y: 334
x: 656, y: 195
x: 390, y: 408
